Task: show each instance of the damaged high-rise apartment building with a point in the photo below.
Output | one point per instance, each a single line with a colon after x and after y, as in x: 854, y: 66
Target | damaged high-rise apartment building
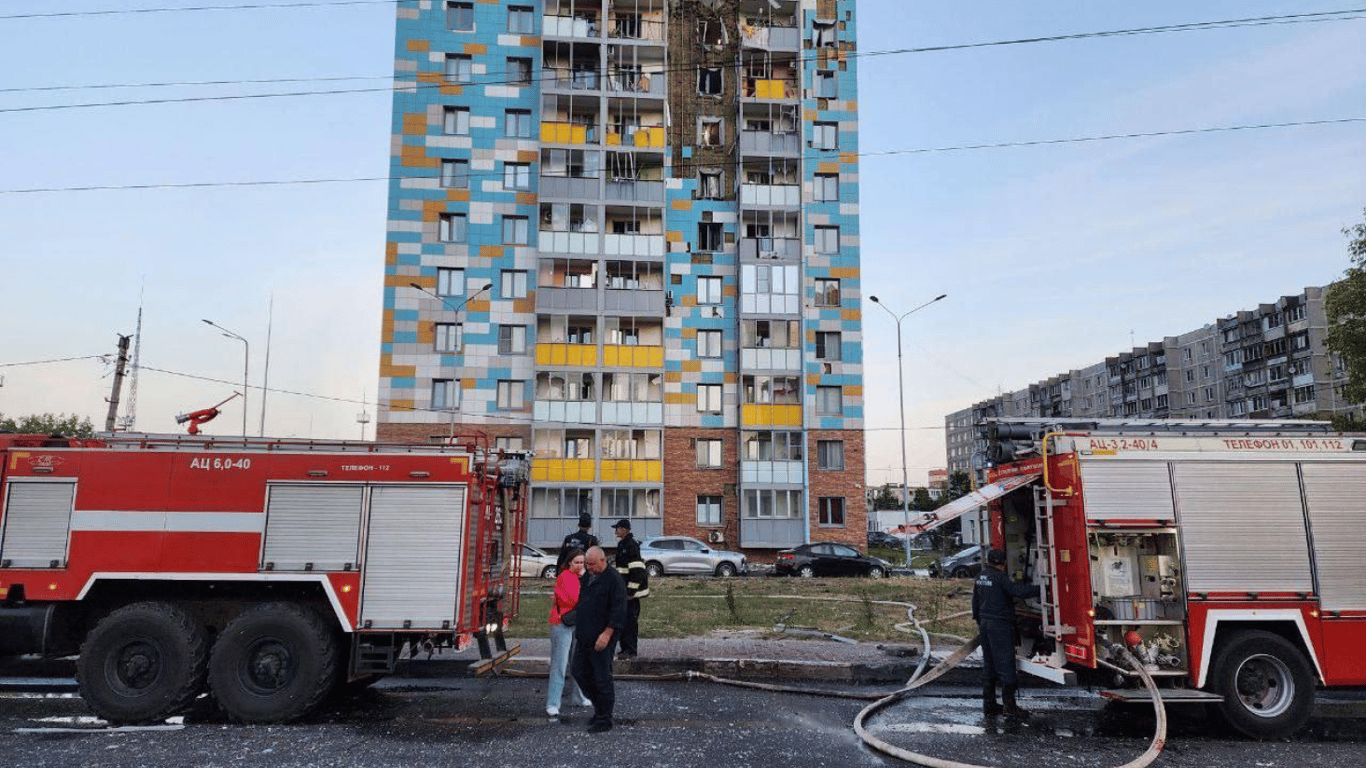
x: 623, y: 234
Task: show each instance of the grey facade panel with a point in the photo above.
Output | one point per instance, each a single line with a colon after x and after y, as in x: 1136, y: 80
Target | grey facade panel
x: 770, y: 532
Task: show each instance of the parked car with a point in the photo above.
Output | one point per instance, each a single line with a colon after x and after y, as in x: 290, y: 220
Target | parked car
x: 959, y: 565
x: 883, y: 539
x: 682, y: 554
x: 533, y: 563
x: 829, y: 559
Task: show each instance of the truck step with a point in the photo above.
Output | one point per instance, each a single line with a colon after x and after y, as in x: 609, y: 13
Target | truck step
x: 1169, y: 695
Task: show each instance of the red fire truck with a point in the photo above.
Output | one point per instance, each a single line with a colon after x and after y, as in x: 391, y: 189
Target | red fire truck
x: 264, y: 572
x: 1230, y: 557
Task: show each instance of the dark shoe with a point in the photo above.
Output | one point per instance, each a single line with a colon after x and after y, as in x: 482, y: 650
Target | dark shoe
x: 623, y: 656
x: 599, y: 727
x: 1011, y: 709
x: 989, y: 706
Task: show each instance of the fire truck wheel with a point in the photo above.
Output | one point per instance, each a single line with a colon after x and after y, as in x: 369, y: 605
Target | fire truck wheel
x: 1267, y: 685
x: 142, y: 663
x: 274, y: 663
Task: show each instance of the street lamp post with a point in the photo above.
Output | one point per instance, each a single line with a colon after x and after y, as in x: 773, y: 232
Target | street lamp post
x: 246, y: 366
x: 456, y: 311
x: 901, y: 400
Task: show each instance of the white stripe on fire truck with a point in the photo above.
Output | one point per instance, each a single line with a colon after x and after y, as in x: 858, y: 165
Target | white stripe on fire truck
x: 196, y: 522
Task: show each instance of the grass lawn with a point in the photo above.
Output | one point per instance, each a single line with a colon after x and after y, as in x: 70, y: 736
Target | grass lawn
x: 691, y: 607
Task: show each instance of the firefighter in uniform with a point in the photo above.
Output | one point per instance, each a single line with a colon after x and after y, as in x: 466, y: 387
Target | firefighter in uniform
x: 632, y: 569
x: 580, y: 540
x: 994, y: 611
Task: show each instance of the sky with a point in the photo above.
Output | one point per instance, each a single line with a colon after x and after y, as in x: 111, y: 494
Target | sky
x: 1052, y: 256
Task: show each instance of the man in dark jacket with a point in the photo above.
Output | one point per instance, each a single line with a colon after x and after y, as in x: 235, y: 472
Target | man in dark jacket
x: 580, y: 540
x: 602, y: 613
x: 632, y: 569
x: 993, y: 608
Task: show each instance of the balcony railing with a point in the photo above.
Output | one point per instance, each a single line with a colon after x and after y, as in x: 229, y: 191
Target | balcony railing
x: 636, y: 83
x: 764, y: 141
x: 757, y: 88
x: 777, y: 248
x: 634, y: 28
x: 635, y: 191
x: 770, y: 38
x: 569, y: 26
x: 788, y: 195
x: 571, y: 79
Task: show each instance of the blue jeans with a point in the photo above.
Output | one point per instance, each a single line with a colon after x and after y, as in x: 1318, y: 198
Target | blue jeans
x: 561, y: 642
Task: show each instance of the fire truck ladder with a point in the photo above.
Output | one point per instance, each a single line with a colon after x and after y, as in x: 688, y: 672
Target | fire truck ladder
x: 1046, y: 566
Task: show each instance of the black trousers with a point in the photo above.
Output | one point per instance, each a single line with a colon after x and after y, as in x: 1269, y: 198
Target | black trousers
x: 592, y: 670
x: 998, y: 651
x: 630, y: 634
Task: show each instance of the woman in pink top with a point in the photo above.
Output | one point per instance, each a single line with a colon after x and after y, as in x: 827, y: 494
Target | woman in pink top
x: 562, y: 636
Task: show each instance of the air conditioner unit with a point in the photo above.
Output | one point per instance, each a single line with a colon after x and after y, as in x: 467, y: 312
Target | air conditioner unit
x: 768, y: 254
x: 716, y: 537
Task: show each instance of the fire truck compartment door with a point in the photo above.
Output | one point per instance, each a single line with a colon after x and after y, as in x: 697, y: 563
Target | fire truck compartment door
x: 1336, y: 493
x: 1242, y: 526
x: 963, y: 505
x: 37, y: 523
x: 413, y: 556
x: 1126, y: 490
x: 312, y: 523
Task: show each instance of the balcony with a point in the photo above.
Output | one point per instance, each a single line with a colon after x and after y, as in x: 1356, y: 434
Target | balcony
x: 632, y: 471
x: 627, y: 356
x: 771, y: 248
x: 770, y: 89
x: 573, y: 411
x: 770, y: 38
x: 764, y: 142
x: 581, y: 26
x: 571, y: 79
x: 635, y: 191
x: 636, y: 83
x: 563, y: 470
x: 633, y: 245
x: 627, y: 27
x: 569, y: 133
x: 776, y: 195
x: 758, y: 415
x: 771, y: 359
x: 642, y: 137
x: 632, y: 413
x: 567, y: 354
x: 783, y: 472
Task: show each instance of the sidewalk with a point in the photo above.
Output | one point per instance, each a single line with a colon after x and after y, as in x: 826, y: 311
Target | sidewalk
x: 735, y: 655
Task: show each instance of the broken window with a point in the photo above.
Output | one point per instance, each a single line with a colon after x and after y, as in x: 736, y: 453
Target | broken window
x: 709, y: 184
x: 709, y: 133
x: 709, y: 81
x: 710, y: 237
x: 823, y: 34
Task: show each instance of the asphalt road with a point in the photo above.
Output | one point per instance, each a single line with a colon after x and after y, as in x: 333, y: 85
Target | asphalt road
x: 494, y: 723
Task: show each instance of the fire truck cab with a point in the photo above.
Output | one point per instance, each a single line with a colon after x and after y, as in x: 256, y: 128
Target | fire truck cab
x: 1227, y: 556
x: 264, y: 572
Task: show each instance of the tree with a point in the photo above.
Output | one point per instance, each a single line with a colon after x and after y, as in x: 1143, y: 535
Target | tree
x: 885, y: 499
x: 1346, y: 306
x: 960, y: 485
x: 48, y: 424
x: 922, y: 502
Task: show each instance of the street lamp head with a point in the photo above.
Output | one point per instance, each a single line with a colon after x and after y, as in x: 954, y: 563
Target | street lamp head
x: 486, y: 286
x: 937, y: 298
x: 415, y: 285
x: 874, y: 299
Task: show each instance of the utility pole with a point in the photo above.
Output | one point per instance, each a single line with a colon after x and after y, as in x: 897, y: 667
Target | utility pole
x: 118, y: 383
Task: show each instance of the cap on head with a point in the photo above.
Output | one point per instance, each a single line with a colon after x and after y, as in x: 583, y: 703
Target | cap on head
x: 996, y: 557
x: 623, y: 523
x: 585, y: 520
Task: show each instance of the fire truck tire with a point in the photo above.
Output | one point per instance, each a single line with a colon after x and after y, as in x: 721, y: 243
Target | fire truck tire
x: 274, y: 663
x: 142, y: 663
x: 1267, y: 685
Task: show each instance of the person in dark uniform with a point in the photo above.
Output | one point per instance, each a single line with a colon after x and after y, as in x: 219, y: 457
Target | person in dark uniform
x: 632, y: 569
x: 602, y: 613
x: 580, y: 540
x: 993, y: 608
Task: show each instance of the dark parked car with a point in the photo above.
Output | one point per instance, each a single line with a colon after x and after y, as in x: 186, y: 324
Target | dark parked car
x: 959, y: 565
x: 828, y: 559
x: 883, y: 539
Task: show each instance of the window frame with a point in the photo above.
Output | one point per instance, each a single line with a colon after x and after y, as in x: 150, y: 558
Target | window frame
x: 710, y: 398
x: 830, y: 513
x: 455, y: 173
x: 461, y: 120
x: 824, y: 455
x: 511, y: 395
x: 711, y: 290
x: 455, y: 9
x: 714, y: 340
x: 521, y: 230
x: 714, y: 450
x: 518, y: 287
x: 512, y: 340
x: 714, y: 507
x: 447, y: 225
x: 463, y: 71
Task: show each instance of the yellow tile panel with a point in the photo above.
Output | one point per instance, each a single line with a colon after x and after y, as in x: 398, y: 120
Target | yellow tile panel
x: 432, y: 209
x: 673, y: 377
x: 813, y: 379
x: 426, y: 333
x: 397, y: 371
x: 391, y: 253
x: 682, y: 205
x: 401, y: 405
x: 673, y: 236
x: 458, y: 195
x: 851, y: 314
x: 527, y: 305
x: 853, y: 390
x: 827, y: 167
x: 692, y: 366
x: 680, y: 398
x: 414, y: 124
x: 416, y: 157
x: 787, y: 416
x: 476, y: 49
x: 418, y: 46
x: 526, y: 198
x: 844, y: 272
x: 490, y: 252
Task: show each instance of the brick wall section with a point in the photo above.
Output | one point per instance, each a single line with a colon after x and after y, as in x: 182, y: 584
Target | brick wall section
x: 684, y: 481
x: 847, y: 484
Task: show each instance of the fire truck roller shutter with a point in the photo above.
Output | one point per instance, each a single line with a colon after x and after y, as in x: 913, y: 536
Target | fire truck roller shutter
x: 312, y: 523
x: 1242, y: 526
x: 1126, y: 490
x: 413, y: 556
x: 1336, y: 493
x: 37, y: 523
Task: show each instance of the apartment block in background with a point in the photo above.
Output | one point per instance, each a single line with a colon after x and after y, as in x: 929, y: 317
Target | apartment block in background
x: 663, y: 198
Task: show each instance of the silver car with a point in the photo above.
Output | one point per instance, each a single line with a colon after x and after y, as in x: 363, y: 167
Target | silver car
x: 534, y: 563
x: 682, y: 554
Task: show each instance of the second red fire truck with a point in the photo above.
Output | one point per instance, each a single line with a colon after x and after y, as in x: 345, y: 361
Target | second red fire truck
x: 264, y: 572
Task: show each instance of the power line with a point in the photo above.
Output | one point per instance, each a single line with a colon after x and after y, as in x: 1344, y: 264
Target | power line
x: 55, y: 360
x: 1345, y: 15
x: 196, y: 8
x: 687, y: 166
